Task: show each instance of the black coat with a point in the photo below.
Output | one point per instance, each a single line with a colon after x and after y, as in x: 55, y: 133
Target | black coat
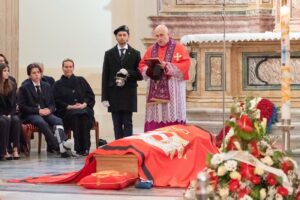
x: 121, y: 98
x: 28, y: 98
x: 8, y: 103
x: 69, y: 91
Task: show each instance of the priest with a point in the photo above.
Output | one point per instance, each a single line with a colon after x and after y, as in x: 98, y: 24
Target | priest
x: 166, y: 93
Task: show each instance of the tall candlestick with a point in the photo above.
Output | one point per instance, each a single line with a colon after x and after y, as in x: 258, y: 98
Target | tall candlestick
x: 285, y: 64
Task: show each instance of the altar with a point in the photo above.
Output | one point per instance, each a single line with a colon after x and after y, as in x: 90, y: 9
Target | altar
x: 252, y: 67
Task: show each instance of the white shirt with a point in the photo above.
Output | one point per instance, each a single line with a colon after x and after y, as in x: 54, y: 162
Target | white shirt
x: 119, y: 48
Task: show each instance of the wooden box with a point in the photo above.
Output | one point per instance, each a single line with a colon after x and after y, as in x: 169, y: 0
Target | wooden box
x: 125, y: 163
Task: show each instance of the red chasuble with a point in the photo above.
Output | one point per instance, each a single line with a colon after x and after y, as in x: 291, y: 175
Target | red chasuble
x: 180, y: 58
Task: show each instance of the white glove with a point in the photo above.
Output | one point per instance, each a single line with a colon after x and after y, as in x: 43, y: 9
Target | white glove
x: 124, y: 71
x: 105, y: 104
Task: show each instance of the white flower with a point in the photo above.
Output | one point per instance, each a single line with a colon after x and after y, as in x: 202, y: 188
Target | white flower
x: 254, y: 102
x: 278, y: 197
x: 237, y: 145
x: 233, y: 119
x: 257, y: 114
x: 267, y: 160
x: 264, y: 143
x: 246, y: 197
x: 272, y: 191
x: 269, y: 152
x: 230, y: 165
x: 230, y: 133
x: 221, y: 171
x: 235, y: 175
x: 216, y: 159
x: 210, y: 188
x: 258, y: 171
x: 224, y: 192
x: 262, y: 194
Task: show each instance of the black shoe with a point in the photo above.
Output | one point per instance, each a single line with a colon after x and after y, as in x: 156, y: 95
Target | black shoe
x: 68, y: 154
x: 85, y: 153
x: 65, y: 155
x: 2, y: 158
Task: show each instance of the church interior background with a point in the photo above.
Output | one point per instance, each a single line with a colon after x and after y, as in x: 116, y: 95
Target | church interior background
x: 50, y: 30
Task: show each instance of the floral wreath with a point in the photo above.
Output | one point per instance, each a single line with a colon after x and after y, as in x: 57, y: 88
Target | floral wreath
x: 248, y: 165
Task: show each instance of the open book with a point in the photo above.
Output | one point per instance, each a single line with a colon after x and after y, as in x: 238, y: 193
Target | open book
x: 154, y: 70
x: 151, y: 62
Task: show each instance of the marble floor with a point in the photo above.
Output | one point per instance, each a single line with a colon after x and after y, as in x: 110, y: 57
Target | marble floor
x: 44, y: 164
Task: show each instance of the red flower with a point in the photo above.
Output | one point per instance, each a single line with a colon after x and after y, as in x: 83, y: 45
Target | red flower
x: 298, y: 196
x: 287, y: 166
x: 243, y: 192
x: 254, y: 149
x: 220, y: 136
x: 266, y: 109
x: 271, y: 179
x: 214, y: 180
x: 245, y: 124
x: 231, y: 145
x: 255, y: 180
x: 234, y: 185
x: 247, y: 171
x: 282, y: 191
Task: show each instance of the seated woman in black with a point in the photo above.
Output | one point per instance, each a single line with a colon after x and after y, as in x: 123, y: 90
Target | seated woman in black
x: 10, y: 125
x: 75, y: 100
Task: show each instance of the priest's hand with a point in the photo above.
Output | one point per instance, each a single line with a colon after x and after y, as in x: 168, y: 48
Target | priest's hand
x: 105, y: 104
x: 163, y: 64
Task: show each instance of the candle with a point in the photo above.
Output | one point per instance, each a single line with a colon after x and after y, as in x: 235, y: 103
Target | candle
x: 285, y: 63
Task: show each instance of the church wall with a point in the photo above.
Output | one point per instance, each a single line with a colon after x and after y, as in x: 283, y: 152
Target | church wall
x: 51, y: 30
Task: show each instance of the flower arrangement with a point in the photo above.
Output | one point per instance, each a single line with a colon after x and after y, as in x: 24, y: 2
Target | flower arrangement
x: 257, y: 109
x: 248, y: 165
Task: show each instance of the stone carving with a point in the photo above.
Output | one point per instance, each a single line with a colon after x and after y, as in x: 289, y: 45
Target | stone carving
x: 213, y: 71
x: 216, y: 70
x: 262, y: 71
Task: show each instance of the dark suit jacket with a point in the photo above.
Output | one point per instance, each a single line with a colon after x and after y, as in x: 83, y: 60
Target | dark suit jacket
x: 28, y: 98
x: 121, y: 98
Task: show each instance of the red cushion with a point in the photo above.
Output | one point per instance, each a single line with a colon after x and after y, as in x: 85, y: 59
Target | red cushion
x: 110, y: 179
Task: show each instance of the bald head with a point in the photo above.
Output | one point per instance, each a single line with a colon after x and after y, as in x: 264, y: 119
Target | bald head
x: 161, y: 34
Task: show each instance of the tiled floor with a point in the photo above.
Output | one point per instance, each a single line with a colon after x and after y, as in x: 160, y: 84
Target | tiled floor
x: 44, y: 164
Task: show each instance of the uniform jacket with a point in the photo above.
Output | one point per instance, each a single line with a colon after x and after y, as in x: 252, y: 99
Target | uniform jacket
x: 121, y: 98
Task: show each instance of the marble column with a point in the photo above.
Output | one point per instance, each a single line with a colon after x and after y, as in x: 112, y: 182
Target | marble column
x: 9, y: 33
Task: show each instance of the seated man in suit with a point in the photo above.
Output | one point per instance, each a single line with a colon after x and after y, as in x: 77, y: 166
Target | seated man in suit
x: 48, y: 79
x: 37, y: 105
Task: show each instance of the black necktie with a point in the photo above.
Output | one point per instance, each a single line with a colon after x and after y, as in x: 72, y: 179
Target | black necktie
x: 38, y: 91
x: 122, y: 54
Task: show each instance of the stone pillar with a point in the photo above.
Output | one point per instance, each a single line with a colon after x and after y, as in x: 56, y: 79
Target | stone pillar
x: 9, y: 33
x: 295, y: 15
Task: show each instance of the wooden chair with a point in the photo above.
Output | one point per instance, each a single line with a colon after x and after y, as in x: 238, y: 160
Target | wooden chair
x: 95, y: 128
x: 28, y: 131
